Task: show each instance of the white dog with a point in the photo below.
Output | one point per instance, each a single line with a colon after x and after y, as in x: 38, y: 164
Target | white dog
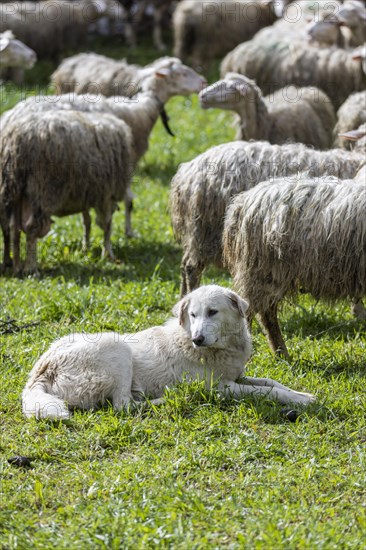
x: 207, y: 340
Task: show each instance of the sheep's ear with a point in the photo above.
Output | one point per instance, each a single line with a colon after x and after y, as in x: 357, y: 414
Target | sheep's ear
x: 162, y: 73
x: 180, y: 310
x: 242, y: 88
x: 353, y: 135
x: 4, y: 43
x: 237, y: 302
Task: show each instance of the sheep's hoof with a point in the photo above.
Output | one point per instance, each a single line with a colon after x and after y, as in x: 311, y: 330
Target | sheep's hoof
x: 108, y: 256
x: 359, y: 311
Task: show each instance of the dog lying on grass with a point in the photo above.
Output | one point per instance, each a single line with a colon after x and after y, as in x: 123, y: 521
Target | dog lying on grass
x: 207, y: 339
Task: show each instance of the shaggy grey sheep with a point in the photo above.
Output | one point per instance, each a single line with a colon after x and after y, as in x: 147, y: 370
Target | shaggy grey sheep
x: 202, y: 189
x: 351, y: 115
x: 275, y: 62
x: 14, y: 57
x: 61, y: 163
x: 51, y: 25
x: 285, y: 235
x: 208, y: 29
x: 137, y: 115
x: 91, y: 73
x: 302, y: 115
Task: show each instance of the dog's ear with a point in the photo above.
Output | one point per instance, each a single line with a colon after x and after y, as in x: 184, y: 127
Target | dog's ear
x: 180, y: 309
x: 237, y: 302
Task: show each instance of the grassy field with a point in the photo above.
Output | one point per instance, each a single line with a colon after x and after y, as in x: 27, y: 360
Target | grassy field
x: 199, y: 471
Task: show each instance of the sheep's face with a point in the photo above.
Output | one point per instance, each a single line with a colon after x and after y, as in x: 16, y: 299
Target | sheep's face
x: 352, y: 14
x: 14, y: 53
x: 180, y: 79
x: 229, y: 93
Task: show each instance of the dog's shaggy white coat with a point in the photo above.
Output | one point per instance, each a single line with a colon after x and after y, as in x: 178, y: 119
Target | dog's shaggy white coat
x: 207, y: 340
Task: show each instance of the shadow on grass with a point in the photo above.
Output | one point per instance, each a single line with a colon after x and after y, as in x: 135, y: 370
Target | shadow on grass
x: 136, y: 260
x: 315, y: 325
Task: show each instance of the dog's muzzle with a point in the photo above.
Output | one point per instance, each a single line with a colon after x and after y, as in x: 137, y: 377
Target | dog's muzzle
x: 199, y: 341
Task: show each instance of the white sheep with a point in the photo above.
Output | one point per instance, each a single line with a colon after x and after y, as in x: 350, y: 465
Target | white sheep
x: 205, y: 30
x: 49, y: 26
x: 274, y: 62
x: 285, y: 235
x: 91, y: 73
x: 202, y: 189
x: 15, y: 55
x: 303, y: 115
x: 25, y: 151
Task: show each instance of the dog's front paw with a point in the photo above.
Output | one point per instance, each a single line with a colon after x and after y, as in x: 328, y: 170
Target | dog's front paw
x: 304, y: 398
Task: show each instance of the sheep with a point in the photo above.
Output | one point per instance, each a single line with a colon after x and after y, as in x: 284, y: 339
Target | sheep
x: 15, y: 56
x: 202, y: 189
x: 325, y: 22
x: 205, y: 30
x: 51, y: 25
x: 351, y: 115
x: 326, y: 32
x: 353, y: 14
x: 91, y: 73
x: 276, y: 62
x: 137, y: 116
x: 136, y: 11
x: 304, y: 115
x: 285, y: 235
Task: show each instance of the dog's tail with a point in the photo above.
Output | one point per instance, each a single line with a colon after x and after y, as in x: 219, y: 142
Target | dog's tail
x: 37, y: 402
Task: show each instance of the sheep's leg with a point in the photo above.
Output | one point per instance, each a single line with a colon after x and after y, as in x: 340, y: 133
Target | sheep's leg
x: 190, y: 275
x: 358, y: 310
x: 250, y: 316
x: 271, y: 327
x: 87, y: 226
x: 157, y: 32
x: 17, y: 268
x: 6, y: 238
x: 30, y: 265
x: 104, y: 220
x: 128, y: 213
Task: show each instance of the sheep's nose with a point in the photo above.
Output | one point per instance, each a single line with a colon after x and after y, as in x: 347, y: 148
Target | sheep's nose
x: 199, y: 340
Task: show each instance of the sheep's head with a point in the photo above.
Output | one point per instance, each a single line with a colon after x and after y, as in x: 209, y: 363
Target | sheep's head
x: 229, y: 93
x: 14, y: 53
x: 353, y: 14
x: 360, y: 54
x: 168, y: 77
x: 326, y: 31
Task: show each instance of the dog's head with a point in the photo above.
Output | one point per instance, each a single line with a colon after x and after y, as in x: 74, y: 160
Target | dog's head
x: 212, y: 316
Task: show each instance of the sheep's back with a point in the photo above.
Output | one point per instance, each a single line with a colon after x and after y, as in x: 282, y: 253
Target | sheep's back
x: 65, y: 161
x: 308, y: 233
x: 202, y: 188
x: 278, y: 62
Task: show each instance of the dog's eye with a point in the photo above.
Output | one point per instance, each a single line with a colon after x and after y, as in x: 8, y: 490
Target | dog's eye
x: 212, y: 312
x: 192, y: 315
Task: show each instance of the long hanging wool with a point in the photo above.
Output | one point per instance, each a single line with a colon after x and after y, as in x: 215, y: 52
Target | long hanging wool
x: 307, y: 233
x: 202, y: 189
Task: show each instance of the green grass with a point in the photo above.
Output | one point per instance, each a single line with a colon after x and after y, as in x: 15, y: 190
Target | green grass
x: 199, y: 471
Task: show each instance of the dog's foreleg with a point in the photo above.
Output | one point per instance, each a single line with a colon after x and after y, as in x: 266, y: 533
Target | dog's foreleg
x: 264, y: 382
x: 271, y: 392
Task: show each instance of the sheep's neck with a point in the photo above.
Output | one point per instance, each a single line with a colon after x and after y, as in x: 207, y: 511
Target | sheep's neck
x: 143, y: 114
x: 254, y: 120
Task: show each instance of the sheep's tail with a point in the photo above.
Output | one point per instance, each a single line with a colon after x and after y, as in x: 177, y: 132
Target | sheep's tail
x: 37, y: 402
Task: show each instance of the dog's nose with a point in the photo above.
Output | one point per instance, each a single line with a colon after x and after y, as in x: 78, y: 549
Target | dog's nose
x: 199, y: 340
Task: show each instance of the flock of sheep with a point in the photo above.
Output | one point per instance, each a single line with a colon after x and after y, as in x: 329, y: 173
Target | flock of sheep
x: 283, y: 208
